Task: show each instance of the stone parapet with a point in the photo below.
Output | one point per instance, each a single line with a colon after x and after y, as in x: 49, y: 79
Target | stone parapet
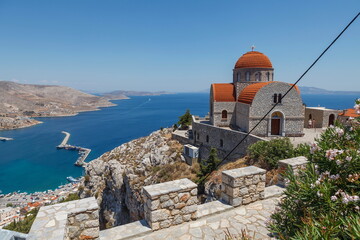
x: 170, y: 203
x: 243, y: 185
x: 77, y: 219
x: 295, y: 164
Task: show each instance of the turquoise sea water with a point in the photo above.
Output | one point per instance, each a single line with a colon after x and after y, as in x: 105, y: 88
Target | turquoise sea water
x: 32, y: 163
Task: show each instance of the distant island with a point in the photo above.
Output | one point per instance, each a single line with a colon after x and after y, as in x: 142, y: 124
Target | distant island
x: 320, y: 91
x: 121, y: 94
x: 19, y: 103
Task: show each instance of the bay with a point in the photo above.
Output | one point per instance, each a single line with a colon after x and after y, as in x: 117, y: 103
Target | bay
x: 32, y: 163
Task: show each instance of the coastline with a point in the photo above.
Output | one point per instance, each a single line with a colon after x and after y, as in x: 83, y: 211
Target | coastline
x: 36, y: 122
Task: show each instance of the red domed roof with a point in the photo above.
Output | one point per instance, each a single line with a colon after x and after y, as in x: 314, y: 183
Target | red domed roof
x: 253, y: 59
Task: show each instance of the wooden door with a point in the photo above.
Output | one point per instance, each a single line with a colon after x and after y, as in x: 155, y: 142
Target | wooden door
x: 275, y: 126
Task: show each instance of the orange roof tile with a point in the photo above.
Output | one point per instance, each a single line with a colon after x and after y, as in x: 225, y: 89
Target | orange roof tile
x: 253, y: 59
x: 248, y: 93
x: 223, y: 92
x: 350, y: 113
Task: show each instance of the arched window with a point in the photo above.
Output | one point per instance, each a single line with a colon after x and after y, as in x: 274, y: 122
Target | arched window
x: 207, y: 138
x: 258, y: 77
x: 275, y: 98
x: 268, y: 76
x: 238, y: 77
x: 279, y: 97
x: 224, y: 114
x: 247, y: 76
x: 221, y: 143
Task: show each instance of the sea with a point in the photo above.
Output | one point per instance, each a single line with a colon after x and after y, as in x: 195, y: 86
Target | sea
x: 31, y: 162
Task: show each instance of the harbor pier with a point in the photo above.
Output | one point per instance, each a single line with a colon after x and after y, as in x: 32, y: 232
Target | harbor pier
x: 83, y: 152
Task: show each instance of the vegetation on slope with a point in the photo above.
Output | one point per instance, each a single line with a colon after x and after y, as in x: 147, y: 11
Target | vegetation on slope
x: 23, y: 225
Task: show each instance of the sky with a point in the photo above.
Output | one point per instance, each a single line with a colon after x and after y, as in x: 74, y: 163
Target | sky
x: 173, y: 45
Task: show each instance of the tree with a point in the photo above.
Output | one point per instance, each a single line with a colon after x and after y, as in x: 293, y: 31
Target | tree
x: 185, y: 120
x: 209, y: 165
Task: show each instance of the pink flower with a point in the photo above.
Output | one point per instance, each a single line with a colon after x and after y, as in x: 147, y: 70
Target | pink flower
x: 333, y: 198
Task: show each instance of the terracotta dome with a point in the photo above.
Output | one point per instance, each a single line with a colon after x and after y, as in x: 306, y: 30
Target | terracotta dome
x: 253, y: 59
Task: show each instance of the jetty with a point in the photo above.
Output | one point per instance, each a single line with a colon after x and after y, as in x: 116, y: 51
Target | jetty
x: 5, y: 139
x: 83, y: 152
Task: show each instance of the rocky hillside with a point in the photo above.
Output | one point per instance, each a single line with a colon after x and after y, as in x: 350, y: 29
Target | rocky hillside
x: 117, y: 177
x: 19, y: 100
x: 120, y: 94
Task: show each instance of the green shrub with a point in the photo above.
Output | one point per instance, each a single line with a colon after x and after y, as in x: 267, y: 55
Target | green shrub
x: 268, y: 153
x: 209, y: 165
x: 71, y: 197
x: 23, y: 225
x: 322, y: 202
x: 185, y: 120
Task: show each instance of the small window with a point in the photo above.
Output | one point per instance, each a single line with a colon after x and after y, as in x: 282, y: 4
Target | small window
x: 279, y: 97
x: 221, y: 143
x: 258, y: 77
x: 207, y: 138
x: 224, y: 114
x: 275, y: 98
x: 198, y: 136
x: 238, y: 77
x: 268, y: 76
x: 247, y: 76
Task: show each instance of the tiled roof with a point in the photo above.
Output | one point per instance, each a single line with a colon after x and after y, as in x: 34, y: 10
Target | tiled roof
x: 253, y: 59
x: 223, y: 92
x: 248, y: 93
x: 350, y: 113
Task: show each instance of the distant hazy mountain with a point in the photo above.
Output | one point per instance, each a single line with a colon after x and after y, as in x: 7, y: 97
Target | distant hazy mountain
x: 45, y: 100
x: 120, y: 94
x: 319, y: 91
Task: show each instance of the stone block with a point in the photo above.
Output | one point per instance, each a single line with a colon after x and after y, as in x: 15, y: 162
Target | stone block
x: 183, y: 197
x: 155, y: 226
x: 243, y: 191
x: 224, y: 197
x: 175, y: 212
x: 164, y: 198
x: 91, y: 223
x: 153, y: 204
x: 194, y: 192
x: 189, y: 209
x: 165, y: 224
x: 247, y: 200
x: 192, y: 201
x: 159, y: 215
x: 178, y: 220
x: 232, y: 192
x: 256, y: 179
x: 169, y: 203
x: 180, y: 205
x: 186, y: 217
x: 89, y: 233
x: 81, y: 217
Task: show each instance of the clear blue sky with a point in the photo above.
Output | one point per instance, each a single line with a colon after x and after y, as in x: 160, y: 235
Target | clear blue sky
x: 172, y: 45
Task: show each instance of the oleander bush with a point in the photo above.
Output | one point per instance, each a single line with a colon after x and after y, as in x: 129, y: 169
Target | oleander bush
x: 322, y: 202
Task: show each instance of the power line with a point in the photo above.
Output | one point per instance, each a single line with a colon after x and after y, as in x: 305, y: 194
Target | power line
x: 292, y: 86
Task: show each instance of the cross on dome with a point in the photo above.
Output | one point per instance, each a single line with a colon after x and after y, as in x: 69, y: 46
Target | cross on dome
x: 252, y: 47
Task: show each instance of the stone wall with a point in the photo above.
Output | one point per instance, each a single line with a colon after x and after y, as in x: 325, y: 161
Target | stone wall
x: 243, y: 185
x: 296, y: 164
x: 218, y: 107
x: 83, y: 225
x: 215, y: 136
x: 77, y: 219
x: 321, y: 116
x: 170, y: 203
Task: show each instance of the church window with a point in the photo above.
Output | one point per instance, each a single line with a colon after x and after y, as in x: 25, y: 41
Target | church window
x: 275, y: 98
x: 238, y: 77
x: 207, y: 138
x: 224, y: 114
x: 198, y: 136
x: 247, y: 76
x: 258, y: 77
x: 268, y: 76
x: 279, y: 97
x: 221, y: 143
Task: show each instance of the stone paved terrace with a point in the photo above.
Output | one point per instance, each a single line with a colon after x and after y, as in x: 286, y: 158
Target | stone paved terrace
x: 252, y: 217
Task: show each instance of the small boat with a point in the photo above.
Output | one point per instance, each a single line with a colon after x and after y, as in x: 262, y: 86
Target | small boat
x: 72, y: 180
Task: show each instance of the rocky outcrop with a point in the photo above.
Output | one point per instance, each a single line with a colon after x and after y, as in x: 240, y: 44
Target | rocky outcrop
x: 117, y: 177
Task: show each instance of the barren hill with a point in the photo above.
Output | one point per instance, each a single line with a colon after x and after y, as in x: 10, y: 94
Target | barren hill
x: 26, y: 100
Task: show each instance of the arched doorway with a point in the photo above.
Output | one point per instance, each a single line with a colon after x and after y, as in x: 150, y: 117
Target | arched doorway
x: 276, y: 123
x: 331, y: 119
